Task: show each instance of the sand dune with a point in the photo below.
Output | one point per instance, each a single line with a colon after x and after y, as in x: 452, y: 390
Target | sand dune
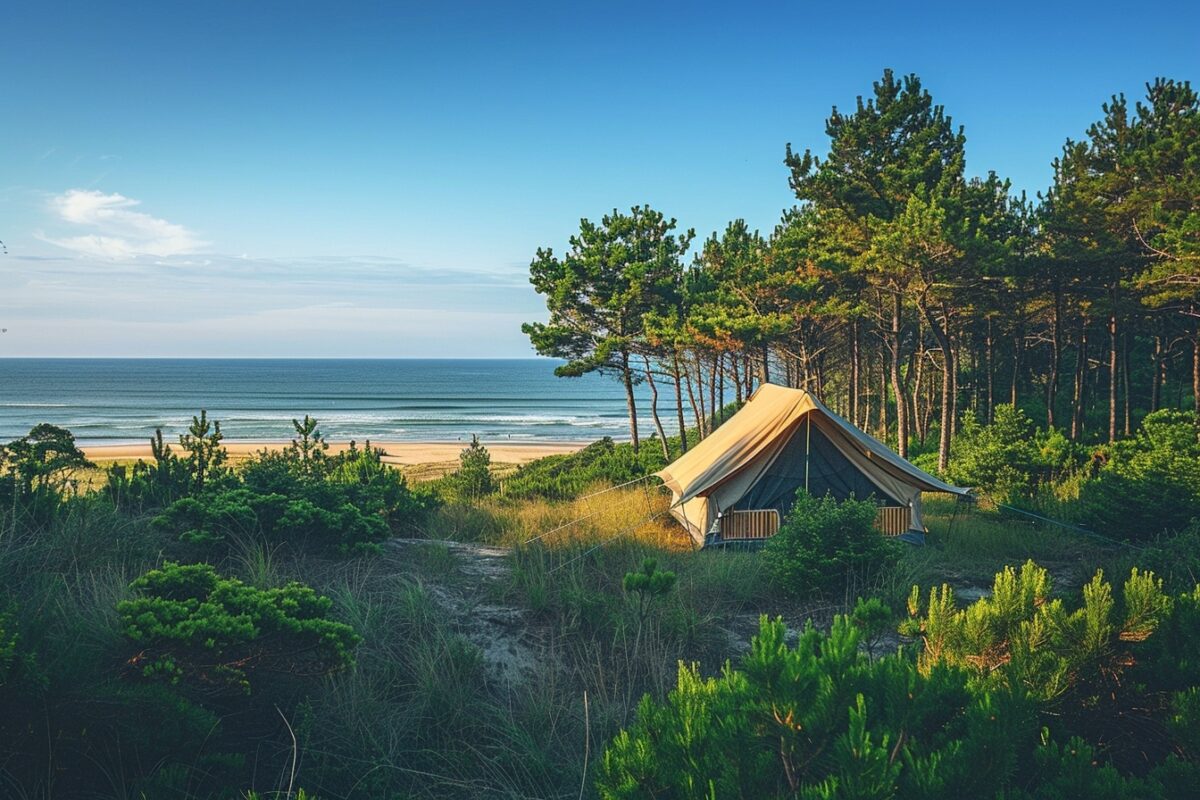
x: 397, y: 452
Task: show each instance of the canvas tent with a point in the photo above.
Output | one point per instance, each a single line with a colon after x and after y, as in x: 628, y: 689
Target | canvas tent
x: 740, y: 481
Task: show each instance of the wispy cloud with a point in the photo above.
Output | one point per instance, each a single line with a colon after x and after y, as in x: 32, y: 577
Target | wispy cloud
x: 221, y: 305
x: 121, y: 231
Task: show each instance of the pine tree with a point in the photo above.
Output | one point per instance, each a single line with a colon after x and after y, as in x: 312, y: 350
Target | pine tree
x: 601, y: 290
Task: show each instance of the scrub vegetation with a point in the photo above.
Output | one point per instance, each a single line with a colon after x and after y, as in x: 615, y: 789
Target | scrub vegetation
x: 303, y: 624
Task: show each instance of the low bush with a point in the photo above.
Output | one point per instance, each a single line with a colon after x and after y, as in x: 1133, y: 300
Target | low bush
x: 301, y: 497
x: 1010, y: 459
x: 565, y: 476
x: 825, y: 544
x: 473, y: 480
x: 36, y: 470
x: 191, y: 625
x: 1015, y: 696
x: 1147, y: 484
x: 1092, y: 669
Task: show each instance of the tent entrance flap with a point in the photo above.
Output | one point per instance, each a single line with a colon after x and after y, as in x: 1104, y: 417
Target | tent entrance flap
x: 810, y: 459
x: 781, y: 441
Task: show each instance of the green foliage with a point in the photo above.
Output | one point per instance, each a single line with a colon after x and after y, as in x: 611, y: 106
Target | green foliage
x: 18, y: 666
x: 43, y: 459
x: 648, y: 584
x: 190, y: 625
x: 1009, y: 459
x: 36, y: 469
x: 347, y: 503
x: 649, y: 581
x: 1091, y: 668
x: 473, y: 479
x: 824, y: 544
x: 817, y: 720
x: 873, y: 618
x: 243, y: 514
x: 152, y: 485
x: 1148, y: 484
x: 309, y: 447
x: 205, y: 459
x: 1013, y: 696
x: 565, y: 476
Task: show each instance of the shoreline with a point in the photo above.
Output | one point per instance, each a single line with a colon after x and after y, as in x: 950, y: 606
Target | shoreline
x: 403, y: 453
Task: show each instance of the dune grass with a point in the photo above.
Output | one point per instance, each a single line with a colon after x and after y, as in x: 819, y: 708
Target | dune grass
x: 421, y: 715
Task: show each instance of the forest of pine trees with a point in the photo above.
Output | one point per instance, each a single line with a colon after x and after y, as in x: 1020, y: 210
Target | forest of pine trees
x: 905, y: 293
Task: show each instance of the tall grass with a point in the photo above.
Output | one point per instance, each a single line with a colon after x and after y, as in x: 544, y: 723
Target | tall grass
x: 419, y: 717
x: 969, y: 543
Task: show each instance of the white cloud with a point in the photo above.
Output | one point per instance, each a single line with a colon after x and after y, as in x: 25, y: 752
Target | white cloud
x: 121, y: 231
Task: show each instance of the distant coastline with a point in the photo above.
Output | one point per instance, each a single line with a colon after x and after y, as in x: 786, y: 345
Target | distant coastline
x: 414, y: 402
x: 401, y: 453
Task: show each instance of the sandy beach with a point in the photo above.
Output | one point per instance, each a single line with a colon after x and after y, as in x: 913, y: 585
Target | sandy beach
x: 400, y: 453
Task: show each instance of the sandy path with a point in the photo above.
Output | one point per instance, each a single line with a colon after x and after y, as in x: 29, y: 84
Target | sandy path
x: 406, y: 453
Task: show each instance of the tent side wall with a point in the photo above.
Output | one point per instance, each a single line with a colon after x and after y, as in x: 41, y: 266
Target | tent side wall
x: 727, y: 466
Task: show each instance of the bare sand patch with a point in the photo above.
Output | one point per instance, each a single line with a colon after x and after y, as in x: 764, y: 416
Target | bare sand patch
x: 400, y: 453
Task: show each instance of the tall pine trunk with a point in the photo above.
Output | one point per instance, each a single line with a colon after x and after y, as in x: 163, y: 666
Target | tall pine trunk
x: 1125, y: 381
x: 697, y: 413
x: 737, y: 379
x: 1157, y: 386
x: 852, y: 395
x: 955, y: 360
x: 1055, y: 356
x: 1018, y: 345
x: 943, y: 338
x: 712, y: 392
x: 662, y: 435
x: 1112, y: 372
x: 1196, y: 374
x: 920, y: 420
x: 1080, y: 389
x: 991, y: 374
x: 897, y: 387
x: 630, y: 400
x: 677, y: 374
x: 883, y: 396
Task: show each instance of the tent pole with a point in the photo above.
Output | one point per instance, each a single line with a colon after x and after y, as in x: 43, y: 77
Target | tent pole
x: 807, y: 448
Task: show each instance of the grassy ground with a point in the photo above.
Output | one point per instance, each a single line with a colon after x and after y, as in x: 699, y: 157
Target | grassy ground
x: 968, y: 543
x: 499, y: 668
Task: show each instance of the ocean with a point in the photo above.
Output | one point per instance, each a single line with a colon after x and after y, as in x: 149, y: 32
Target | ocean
x: 119, y: 401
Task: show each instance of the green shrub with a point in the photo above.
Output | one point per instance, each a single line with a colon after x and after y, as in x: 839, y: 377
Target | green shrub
x: 873, y: 619
x: 564, y: 476
x: 648, y: 584
x: 36, y: 470
x: 191, y: 625
x: 473, y: 480
x: 18, y: 664
x: 824, y: 544
x: 347, y: 503
x: 817, y: 720
x: 149, y: 485
x: 1009, y: 459
x: 1148, y: 484
x: 1092, y: 668
x: 1014, y: 696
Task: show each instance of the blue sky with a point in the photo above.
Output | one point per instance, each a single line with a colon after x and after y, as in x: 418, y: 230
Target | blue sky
x: 372, y: 179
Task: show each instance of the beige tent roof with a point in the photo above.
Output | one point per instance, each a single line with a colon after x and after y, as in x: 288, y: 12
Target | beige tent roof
x: 718, y: 471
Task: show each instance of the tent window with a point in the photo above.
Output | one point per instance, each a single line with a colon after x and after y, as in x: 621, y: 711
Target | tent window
x: 829, y: 472
x: 757, y: 524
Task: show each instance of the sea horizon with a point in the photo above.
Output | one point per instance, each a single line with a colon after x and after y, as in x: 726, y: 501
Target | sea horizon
x: 119, y: 401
